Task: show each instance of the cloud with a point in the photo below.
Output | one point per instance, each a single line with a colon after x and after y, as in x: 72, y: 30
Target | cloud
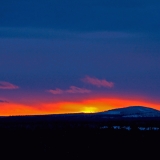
x: 7, y: 85
x: 3, y: 101
x: 72, y: 89
x: 97, y: 82
x: 56, y: 91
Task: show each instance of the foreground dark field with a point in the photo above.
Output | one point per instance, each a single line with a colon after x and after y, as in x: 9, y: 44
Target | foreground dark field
x: 78, y: 139
x: 80, y: 143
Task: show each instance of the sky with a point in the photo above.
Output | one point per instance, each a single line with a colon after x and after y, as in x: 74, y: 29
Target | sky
x: 60, y: 56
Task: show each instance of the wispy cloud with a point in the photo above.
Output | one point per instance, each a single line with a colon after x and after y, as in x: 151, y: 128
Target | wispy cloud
x: 55, y: 91
x: 72, y: 90
x: 98, y: 82
x: 7, y: 85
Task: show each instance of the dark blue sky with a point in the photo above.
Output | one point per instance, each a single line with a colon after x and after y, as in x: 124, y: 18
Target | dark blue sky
x: 95, y: 15
x: 53, y: 44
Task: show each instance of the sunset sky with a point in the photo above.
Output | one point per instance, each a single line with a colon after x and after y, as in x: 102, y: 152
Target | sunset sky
x: 67, y: 56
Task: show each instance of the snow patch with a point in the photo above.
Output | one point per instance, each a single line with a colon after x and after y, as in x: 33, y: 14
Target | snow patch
x: 133, y: 115
x: 104, y: 127
x: 117, y: 127
x: 148, y: 128
x: 127, y: 128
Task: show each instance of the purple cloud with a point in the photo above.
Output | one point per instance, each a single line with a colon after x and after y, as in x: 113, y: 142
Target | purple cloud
x: 72, y: 90
x: 3, y: 101
x: 7, y: 85
x: 98, y: 82
x: 56, y: 91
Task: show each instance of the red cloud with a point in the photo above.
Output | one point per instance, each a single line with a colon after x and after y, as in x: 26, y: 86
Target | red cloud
x: 56, y: 91
x: 7, y: 85
x: 97, y: 82
x: 72, y: 89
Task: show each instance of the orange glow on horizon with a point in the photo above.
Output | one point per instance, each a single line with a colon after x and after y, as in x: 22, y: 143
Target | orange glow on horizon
x: 85, y: 106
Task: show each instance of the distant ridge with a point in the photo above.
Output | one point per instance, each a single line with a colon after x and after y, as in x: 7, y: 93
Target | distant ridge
x: 133, y: 111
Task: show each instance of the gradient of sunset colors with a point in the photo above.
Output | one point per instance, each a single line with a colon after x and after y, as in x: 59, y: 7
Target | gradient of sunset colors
x: 85, y: 106
x: 90, y: 104
x: 78, y: 56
